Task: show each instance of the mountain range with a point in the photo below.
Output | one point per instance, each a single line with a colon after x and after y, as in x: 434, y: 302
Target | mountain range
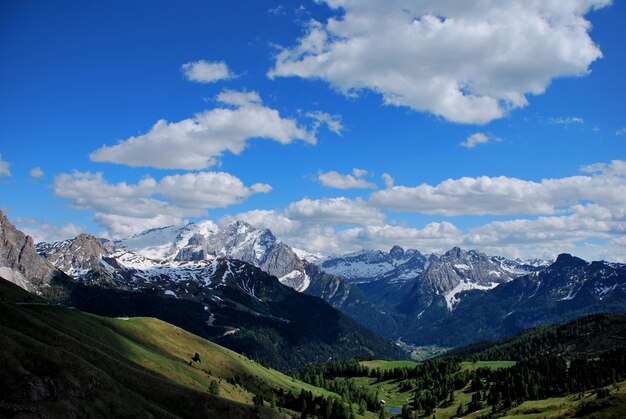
x: 228, y: 301
x: 243, y: 279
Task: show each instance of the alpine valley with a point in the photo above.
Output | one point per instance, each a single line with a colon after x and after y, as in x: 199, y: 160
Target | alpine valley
x: 241, y: 288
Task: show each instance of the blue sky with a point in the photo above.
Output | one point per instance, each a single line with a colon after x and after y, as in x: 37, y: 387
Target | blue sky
x: 499, y: 127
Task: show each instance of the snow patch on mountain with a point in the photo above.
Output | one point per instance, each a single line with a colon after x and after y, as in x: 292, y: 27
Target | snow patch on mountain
x: 298, y: 280
x: 315, y: 258
x: 451, y: 296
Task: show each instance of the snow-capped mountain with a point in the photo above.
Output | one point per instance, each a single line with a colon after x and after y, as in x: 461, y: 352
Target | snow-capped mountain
x: 80, y: 257
x: 410, y: 280
x: 161, y: 259
x: 466, y: 293
x: 227, y: 300
x: 460, y: 270
x: 397, y: 265
x: 567, y: 288
x: 237, y: 240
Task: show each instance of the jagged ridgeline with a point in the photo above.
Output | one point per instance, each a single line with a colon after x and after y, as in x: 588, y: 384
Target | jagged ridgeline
x: 226, y: 300
x: 224, y: 272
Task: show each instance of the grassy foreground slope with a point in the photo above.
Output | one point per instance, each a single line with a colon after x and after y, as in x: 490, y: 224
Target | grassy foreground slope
x: 57, y: 361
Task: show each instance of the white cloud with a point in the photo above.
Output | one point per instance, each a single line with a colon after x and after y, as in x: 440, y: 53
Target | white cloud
x: 335, y: 211
x: 469, y: 62
x: 615, y: 167
x: 508, y: 196
x: 332, y: 122
x: 316, y: 233
x: 547, y: 236
x: 337, y: 180
x: 36, y: 172
x: 126, y: 209
x: 476, y: 139
x: 197, y: 142
x: 389, y: 180
x: 4, y: 167
x: 434, y: 237
x: 567, y: 121
x: 44, y: 231
x: 582, y: 215
x: 206, y: 72
x: 621, y: 131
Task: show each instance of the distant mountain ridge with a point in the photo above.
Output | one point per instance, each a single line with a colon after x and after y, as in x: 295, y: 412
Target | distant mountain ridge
x: 568, y: 288
x: 227, y: 300
x: 399, y: 294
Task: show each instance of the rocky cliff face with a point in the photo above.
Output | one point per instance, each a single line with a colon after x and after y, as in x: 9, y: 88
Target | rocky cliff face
x: 19, y: 261
x: 75, y: 255
x: 83, y: 257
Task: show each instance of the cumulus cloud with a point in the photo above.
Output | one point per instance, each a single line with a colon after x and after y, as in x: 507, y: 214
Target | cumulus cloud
x: 126, y: 209
x: 316, y: 228
x: 476, y: 139
x: 335, y: 211
x: 337, y: 180
x: 36, y: 172
x: 468, y: 62
x: 197, y: 142
x: 327, y: 225
x: 583, y: 215
x: 621, y: 131
x: 4, y: 167
x: 206, y: 72
x: 44, y: 231
x: 545, y: 236
x: 503, y: 195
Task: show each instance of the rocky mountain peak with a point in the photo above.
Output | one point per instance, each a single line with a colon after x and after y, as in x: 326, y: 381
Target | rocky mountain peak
x: 455, y: 252
x: 75, y: 256
x: 19, y: 261
x: 396, y: 252
x: 565, y: 259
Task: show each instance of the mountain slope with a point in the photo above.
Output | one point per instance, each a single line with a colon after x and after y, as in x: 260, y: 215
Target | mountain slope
x: 568, y: 288
x: 165, y: 258
x: 61, y: 362
x: 243, y: 308
x: 583, y: 337
x: 228, y: 301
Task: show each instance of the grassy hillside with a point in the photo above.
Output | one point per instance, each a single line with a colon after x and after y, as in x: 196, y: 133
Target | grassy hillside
x: 388, y: 365
x: 59, y: 361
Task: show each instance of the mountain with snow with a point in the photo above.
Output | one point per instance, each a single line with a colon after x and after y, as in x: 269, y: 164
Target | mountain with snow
x: 205, y: 240
x: 239, y: 240
x: 214, y: 281
x: 395, y: 266
x: 409, y: 280
x: 460, y: 270
x: 226, y: 300
x: 566, y: 289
